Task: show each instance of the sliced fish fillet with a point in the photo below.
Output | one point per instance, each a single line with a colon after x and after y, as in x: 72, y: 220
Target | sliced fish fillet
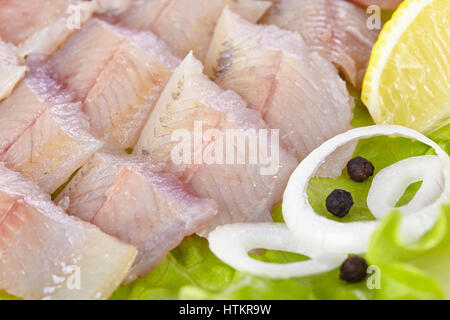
x: 46, y: 254
x: 118, y: 74
x: 41, y: 26
x: 43, y: 134
x: 243, y: 189
x: 187, y: 24
x: 336, y: 29
x: 139, y: 203
x: 295, y: 90
x: 12, y: 69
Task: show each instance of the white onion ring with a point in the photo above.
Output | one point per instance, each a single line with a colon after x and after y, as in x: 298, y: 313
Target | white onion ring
x: 231, y: 244
x: 336, y: 237
x: 391, y: 183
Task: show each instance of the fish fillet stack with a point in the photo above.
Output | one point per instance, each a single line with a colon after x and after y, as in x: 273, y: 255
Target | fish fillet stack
x: 117, y: 74
x: 43, y: 133
x: 45, y: 254
x: 41, y: 26
x: 336, y: 29
x: 137, y: 202
x: 296, y: 90
x: 187, y: 24
x: 205, y: 152
x: 243, y: 191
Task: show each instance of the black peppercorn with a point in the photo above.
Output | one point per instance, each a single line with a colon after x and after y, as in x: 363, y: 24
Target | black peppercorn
x: 354, y: 269
x: 339, y: 203
x: 359, y: 169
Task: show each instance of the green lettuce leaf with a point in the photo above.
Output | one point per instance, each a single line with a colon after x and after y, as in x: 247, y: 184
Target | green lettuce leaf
x: 436, y: 262
x: 191, y: 263
x: 386, y: 246
x: 399, y: 281
x: 415, y: 271
x: 5, y: 296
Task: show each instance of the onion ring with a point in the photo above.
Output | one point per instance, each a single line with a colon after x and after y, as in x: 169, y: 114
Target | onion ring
x: 231, y: 244
x: 390, y: 184
x: 327, y: 235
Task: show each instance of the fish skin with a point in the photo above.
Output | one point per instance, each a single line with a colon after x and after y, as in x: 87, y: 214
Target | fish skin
x: 39, y: 242
x: 118, y: 74
x: 295, y: 90
x: 336, y: 29
x: 185, y: 30
x: 12, y: 69
x: 241, y: 191
x: 43, y: 24
x: 44, y: 134
x: 138, y: 202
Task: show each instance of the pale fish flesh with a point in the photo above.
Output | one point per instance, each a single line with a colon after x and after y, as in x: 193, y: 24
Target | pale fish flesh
x: 12, y: 69
x: 187, y: 24
x: 46, y: 254
x: 295, y: 90
x: 243, y: 189
x: 138, y: 202
x: 41, y: 26
x: 43, y: 133
x: 118, y: 74
x: 336, y: 29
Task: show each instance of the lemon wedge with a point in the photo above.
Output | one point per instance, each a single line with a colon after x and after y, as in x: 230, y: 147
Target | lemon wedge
x: 408, y: 77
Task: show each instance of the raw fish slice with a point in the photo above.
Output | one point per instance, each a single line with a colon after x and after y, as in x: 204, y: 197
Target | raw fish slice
x: 138, y: 203
x: 243, y: 190
x: 40, y: 26
x: 296, y: 91
x: 118, y: 74
x: 12, y: 69
x: 187, y: 25
x: 43, y: 134
x: 336, y: 29
x: 43, y: 250
x: 35, y: 94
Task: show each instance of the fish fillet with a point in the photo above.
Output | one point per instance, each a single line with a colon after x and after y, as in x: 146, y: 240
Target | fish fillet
x: 44, y: 252
x: 336, y: 29
x: 137, y: 202
x: 295, y: 90
x: 12, y: 69
x: 41, y: 26
x: 187, y: 25
x: 117, y: 74
x: 43, y: 134
x: 243, y: 191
